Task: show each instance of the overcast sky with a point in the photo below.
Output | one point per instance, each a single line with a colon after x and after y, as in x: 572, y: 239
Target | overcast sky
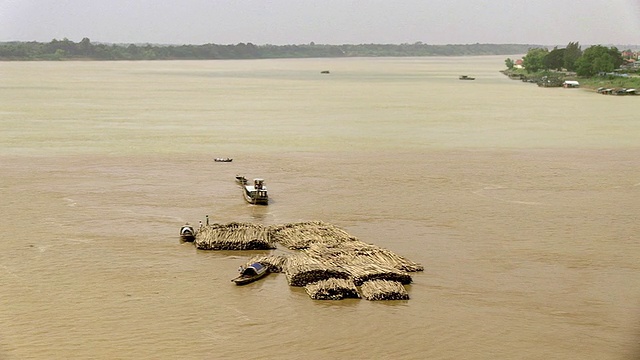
x: 278, y: 22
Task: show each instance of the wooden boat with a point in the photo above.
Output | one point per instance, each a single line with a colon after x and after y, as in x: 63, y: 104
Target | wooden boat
x: 251, y: 273
x: 255, y: 193
x: 241, y: 180
x: 223, y: 159
x: 465, y: 77
x: 187, y: 233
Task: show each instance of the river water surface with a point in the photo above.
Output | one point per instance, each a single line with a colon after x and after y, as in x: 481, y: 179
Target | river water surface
x: 522, y: 203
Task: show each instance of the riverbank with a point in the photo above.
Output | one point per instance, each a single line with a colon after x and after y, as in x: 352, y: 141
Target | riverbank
x: 556, y: 78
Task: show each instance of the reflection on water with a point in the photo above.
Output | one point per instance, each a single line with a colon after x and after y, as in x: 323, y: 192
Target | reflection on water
x: 523, y: 216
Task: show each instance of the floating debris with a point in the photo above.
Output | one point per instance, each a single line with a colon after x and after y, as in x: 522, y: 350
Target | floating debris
x: 384, y: 290
x: 332, y: 289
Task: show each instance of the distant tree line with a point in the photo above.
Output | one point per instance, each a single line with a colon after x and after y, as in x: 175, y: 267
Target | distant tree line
x: 593, y: 60
x: 66, y: 49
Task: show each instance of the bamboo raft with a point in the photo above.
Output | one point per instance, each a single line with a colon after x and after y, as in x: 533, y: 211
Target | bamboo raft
x: 359, y: 253
x: 233, y: 236
x: 302, y: 270
x: 298, y: 236
x: 329, y: 263
x: 332, y: 289
x: 363, y: 273
x: 384, y: 290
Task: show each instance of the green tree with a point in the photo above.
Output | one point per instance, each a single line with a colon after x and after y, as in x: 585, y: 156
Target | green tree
x: 84, y: 47
x: 555, y: 59
x: 598, y: 59
x: 510, y: 63
x: 534, y: 60
x: 572, y: 53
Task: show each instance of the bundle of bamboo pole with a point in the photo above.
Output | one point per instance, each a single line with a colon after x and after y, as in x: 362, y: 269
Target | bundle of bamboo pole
x: 358, y: 252
x: 366, y: 272
x: 383, y: 290
x: 233, y: 236
x: 302, y: 270
x: 297, y: 236
x: 332, y: 289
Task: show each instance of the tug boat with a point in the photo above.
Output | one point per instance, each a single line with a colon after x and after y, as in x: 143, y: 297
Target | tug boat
x: 251, y: 273
x: 187, y: 233
x: 255, y: 193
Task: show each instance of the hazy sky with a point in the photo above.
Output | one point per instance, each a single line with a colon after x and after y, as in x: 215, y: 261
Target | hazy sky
x: 544, y: 22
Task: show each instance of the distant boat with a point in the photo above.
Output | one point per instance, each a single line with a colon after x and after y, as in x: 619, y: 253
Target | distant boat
x: 251, y: 273
x: 465, y: 77
x: 223, y: 160
x: 255, y: 193
x: 187, y: 233
x: 324, y: 72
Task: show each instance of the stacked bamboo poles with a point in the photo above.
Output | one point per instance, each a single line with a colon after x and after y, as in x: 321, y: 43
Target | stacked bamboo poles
x: 360, y: 253
x: 331, y: 265
x: 302, y: 270
x: 366, y: 272
x: 332, y: 289
x: 233, y: 236
x: 383, y: 290
x: 297, y: 236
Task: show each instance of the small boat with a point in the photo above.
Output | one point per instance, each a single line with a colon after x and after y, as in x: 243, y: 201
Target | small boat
x: 251, y: 273
x: 324, y: 72
x: 256, y: 193
x: 187, y: 233
x: 241, y: 180
x: 465, y: 77
x: 223, y: 159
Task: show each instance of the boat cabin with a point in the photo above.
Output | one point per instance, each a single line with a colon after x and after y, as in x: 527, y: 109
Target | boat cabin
x: 253, y: 270
x: 186, y: 229
x: 187, y: 233
x: 256, y: 193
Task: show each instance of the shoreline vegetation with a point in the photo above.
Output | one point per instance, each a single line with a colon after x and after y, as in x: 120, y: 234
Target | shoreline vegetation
x: 59, y: 50
x: 556, y: 78
x: 604, y: 69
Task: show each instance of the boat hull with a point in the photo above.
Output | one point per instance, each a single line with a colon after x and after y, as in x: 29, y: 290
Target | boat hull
x: 251, y: 273
x: 253, y: 199
x: 244, y: 280
x: 187, y: 237
x: 187, y: 233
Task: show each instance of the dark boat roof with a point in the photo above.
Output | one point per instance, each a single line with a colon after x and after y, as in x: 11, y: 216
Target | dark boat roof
x: 253, y: 269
